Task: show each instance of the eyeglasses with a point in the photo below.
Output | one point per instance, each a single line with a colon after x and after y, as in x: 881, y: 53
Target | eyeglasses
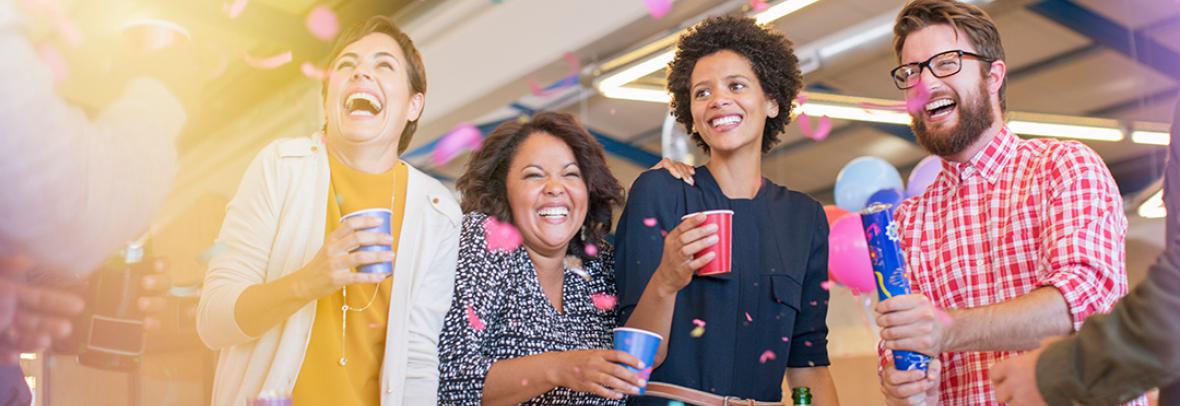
x: 942, y: 65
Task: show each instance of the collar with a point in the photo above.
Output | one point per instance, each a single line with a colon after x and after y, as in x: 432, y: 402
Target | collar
x: 987, y: 162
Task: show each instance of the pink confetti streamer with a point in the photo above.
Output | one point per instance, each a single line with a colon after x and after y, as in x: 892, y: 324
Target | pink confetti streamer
x: 463, y: 138
x: 917, y: 103
x: 698, y: 322
x: 650, y: 222
x: 807, y: 343
x: 233, y: 10
x: 591, y: 250
x: 56, y: 62
x: 474, y: 320
x: 748, y: 318
x: 767, y: 355
x: 658, y: 8
x: 603, y: 302
x: 153, y: 35
x: 312, y: 72
x: 819, y: 133
x: 786, y: 339
x: 759, y: 5
x: 322, y: 24
x: 501, y: 236
x: 826, y: 285
x: 267, y: 62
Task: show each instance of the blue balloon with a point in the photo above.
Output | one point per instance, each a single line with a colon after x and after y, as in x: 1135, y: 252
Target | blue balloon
x: 888, y: 196
x: 863, y: 177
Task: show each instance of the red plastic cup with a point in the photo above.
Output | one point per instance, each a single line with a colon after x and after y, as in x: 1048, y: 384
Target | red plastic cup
x: 722, y: 261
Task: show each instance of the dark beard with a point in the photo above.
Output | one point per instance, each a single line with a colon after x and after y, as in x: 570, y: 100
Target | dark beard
x: 974, y: 118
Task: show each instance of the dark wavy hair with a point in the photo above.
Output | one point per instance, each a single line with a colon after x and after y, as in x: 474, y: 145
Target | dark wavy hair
x: 484, y: 185
x: 415, y: 70
x: 770, y: 54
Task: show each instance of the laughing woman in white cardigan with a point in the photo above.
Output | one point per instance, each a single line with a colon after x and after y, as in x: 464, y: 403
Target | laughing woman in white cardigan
x: 281, y: 301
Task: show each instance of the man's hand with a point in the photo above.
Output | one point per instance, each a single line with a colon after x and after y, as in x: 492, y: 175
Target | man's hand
x: 1015, y: 379
x: 912, y: 323
x: 910, y: 387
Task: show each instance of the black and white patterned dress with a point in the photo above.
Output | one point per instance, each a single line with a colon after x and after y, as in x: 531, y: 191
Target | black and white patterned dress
x: 503, y: 291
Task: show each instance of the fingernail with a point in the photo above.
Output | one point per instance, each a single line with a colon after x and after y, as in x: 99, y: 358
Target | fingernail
x: 642, y: 382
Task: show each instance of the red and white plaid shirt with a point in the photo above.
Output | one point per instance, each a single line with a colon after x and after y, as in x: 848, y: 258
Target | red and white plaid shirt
x: 1020, y: 215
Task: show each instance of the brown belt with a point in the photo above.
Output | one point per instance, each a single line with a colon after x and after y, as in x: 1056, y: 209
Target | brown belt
x: 699, y: 398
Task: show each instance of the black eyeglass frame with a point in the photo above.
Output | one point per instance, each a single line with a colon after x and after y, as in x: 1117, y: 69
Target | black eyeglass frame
x: 926, y: 65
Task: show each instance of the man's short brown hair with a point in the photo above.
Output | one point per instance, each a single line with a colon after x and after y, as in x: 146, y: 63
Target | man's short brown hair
x: 971, y: 20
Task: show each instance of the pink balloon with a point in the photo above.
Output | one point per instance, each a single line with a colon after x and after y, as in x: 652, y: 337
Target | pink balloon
x: 848, y: 255
x: 834, y: 213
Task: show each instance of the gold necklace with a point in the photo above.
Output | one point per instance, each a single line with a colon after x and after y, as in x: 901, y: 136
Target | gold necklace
x: 344, y: 320
x: 345, y: 308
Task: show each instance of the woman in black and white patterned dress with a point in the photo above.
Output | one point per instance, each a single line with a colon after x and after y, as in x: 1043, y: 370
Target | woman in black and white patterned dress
x: 524, y: 326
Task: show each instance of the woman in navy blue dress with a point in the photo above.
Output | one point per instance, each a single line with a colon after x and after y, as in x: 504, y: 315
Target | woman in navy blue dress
x: 732, y: 84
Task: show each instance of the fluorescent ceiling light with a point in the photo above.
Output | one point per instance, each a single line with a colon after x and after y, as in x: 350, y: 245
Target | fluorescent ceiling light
x: 637, y: 94
x: 1153, y: 207
x: 636, y: 71
x: 1081, y: 132
x: 1150, y: 137
x: 816, y: 109
x: 781, y: 9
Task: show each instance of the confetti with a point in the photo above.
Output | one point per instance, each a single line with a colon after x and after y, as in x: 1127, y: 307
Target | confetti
x: 917, y: 103
x: 700, y: 328
x: 149, y: 35
x: 748, y: 318
x: 650, y: 222
x: 374, y: 326
x: 233, y: 10
x: 603, y: 302
x: 56, y: 62
x: 767, y: 355
x: 462, y: 138
x: 474, y: 320
x: 759, y: 5
x: 222, y: 65
x: 322, y: 24
x: 786, y: 339
x: 814, y: 303
x: 819, y: 133
x: 524, y: 382
x: 658, y: 8
x: 807, y: 343
x: 501, y: 236
x: 591, y: 250
x: 268, y: 62
x: 312, y: 72
x: 826, y: 285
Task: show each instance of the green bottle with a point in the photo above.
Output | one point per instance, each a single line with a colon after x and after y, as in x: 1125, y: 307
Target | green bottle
x: 801, y: 396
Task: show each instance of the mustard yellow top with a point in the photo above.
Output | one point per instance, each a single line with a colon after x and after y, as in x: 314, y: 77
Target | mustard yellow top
x: 322, y: 380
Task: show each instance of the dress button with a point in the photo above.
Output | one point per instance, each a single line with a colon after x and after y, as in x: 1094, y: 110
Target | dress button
x: 314, y: 148
x: 435, y: 200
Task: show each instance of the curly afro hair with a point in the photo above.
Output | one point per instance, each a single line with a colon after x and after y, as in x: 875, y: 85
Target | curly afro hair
x: 771, y: 55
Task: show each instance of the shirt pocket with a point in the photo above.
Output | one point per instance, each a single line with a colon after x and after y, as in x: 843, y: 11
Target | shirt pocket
x: 785, y: 290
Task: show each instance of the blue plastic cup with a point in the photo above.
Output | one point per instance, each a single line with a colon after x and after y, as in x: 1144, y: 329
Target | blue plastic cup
x: 385, y: 215
x: 641, y: 344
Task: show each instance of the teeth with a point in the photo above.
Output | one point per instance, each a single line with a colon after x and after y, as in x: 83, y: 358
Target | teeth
x: 938, y: 103
x: 363, y: 96
x: 725, y: 120
x: 554, y: 211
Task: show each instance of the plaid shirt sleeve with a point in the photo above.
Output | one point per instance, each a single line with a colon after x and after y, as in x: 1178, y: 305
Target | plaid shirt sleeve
x: 1083, y: 239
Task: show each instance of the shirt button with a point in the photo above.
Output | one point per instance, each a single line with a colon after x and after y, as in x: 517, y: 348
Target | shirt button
x: 435, y: 200
x: 314, y: 148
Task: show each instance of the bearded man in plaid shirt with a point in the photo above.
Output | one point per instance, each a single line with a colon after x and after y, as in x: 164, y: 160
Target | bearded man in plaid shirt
x: 1014, y: 242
